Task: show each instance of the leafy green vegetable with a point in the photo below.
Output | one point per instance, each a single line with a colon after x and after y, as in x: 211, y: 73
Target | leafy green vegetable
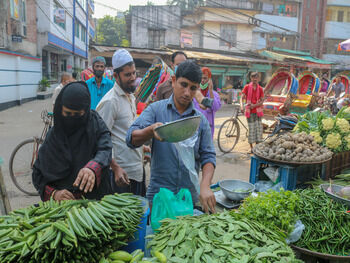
x: 273, y: 209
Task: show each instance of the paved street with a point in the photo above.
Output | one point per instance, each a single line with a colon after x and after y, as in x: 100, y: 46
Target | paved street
x: 23, y: 122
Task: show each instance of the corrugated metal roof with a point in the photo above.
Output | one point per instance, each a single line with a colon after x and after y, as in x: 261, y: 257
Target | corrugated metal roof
x: 216, y: 57
x: 282, y: 57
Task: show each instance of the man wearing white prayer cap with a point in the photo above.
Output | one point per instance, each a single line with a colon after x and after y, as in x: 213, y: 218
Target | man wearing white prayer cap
x: 118, y: 110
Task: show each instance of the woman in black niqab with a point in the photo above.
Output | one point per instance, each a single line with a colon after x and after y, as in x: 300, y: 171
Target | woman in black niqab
x: 78, y: 140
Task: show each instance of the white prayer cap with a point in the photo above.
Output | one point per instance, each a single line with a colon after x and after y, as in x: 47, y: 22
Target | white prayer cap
x: 120, y: 58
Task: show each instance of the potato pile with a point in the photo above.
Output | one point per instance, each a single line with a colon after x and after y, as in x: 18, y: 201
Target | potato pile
x: 292, y: 147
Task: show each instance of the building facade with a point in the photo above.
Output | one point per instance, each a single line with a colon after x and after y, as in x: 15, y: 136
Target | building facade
x: 337, y: 29
x: 20, y: 65
x: 312, y: 26
x: 281, y: 27
x: 64, y: 29
x: 155, y: 26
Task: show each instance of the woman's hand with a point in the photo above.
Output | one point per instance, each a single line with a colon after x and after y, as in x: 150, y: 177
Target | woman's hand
x: 60, y: 195
x: 85, y: 180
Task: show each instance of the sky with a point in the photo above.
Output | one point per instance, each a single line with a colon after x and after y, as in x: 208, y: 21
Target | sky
x: 121, y: 5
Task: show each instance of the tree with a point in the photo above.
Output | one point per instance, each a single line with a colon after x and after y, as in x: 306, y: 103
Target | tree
x: 186, y: 4
x: 112, y: 31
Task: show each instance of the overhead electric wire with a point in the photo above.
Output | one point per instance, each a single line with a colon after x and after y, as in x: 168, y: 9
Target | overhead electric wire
x: 257, y: 19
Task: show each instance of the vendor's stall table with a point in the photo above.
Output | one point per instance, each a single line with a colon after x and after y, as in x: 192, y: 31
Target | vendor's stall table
x: 288, y: 173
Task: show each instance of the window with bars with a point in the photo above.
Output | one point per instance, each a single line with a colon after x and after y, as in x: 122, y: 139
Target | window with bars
x: 340, y: 17
x: 83, y: 34
x: 156, y: 38
x: 228, y: 35
x: 77, y: 29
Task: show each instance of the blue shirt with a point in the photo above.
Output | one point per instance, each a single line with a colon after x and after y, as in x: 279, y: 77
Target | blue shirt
x: 167, y: 170
x: 97, y: 93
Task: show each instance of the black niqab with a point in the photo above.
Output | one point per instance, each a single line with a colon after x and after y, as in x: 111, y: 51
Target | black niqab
x: 65, y: 152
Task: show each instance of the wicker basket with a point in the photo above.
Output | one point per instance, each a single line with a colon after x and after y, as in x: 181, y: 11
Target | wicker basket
x: 339, y: 162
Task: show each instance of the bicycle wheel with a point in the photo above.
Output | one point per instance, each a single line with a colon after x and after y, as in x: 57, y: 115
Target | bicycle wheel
x: 228, y: 135
x: 21, y: 165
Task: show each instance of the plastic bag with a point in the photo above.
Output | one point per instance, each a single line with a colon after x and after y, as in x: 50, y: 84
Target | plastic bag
x: 263, y: 186
x: 297, y: 232
x: 272, y: 173
x: 168, y: 205
x: 185, y: 151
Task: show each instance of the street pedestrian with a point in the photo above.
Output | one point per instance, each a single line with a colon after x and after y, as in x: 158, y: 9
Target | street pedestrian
x: 73, y: 162
x: 65, y: 79
x: 118, y: 109
x: 207, y: 90
x: 253, y: 95
x: 167, y: 168
x: 165, y: 90
x: 98, y: 85
x: 337, y: 88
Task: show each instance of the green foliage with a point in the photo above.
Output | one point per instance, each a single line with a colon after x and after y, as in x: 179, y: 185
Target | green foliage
x: 112, y: 31
x: 44, y: 84
x: 273, y: 209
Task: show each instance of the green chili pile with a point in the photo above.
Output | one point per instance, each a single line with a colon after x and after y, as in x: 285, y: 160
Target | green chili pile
x: 327, y: 223
x: 69, y: 231
x: 219, y: 238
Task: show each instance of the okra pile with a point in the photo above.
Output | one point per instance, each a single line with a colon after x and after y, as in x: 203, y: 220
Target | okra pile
x: 326, y: 221
x: 69, y: 231
x: 219, y: 238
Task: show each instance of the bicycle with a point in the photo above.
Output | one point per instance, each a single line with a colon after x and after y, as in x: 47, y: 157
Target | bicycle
x: 229, y: 132
x: 24, y: 155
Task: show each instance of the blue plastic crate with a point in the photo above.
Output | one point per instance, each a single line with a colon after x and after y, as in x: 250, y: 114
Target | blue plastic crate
x: 287, y: 174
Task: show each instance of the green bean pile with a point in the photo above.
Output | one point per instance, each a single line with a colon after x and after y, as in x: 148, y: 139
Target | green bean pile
x: 326, y: 223
x: 219, y: 238
x: 69, y: 231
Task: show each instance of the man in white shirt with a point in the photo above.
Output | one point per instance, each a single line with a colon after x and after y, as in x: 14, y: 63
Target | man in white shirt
x: 118, y: 109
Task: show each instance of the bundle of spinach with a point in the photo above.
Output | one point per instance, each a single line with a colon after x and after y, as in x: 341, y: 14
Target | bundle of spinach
x: 273, y: 209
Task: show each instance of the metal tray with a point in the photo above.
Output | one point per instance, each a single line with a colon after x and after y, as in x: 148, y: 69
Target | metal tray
x: 179, y: 130
x: 335, y: 189
x: 321, y: 255
x: 225, y: 202
x: 288, y: 162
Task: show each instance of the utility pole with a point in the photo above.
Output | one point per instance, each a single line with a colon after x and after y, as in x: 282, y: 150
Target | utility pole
x: 3, y: 19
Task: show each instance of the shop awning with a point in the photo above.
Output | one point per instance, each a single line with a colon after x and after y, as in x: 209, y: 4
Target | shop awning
x: 296, y: 56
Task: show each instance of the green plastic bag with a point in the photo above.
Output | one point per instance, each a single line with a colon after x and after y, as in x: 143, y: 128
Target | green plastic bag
x: 168, y: 205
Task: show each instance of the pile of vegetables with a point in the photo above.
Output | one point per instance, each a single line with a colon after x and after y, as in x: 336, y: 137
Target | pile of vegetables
x: 137, y: 256
x: 69, y: 231
x: 330, y: 131
x: 340, y: 179
x: 292, y: 147
x: 273, y: 209
x: 220, y: 238
x: 326, y: 221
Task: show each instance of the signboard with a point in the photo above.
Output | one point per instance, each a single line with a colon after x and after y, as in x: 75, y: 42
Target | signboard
x: 185, y: 39
x: 16, y: 38
x: 59, y: 15
x: 14, y: 4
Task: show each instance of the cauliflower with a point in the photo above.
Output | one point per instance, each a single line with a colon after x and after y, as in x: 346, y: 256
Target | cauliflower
x: 343, y: 125
x: 333, y: 140
x: 327, y: 124
x: 347, y: 138
x: 316, y: 136
x: 347, y: 110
